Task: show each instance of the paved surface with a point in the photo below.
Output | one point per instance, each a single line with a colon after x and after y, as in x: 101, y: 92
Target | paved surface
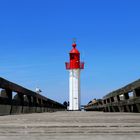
x: 71, y: 125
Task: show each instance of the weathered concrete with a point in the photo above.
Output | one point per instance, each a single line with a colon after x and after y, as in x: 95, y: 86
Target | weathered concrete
x: 26, y: 109
x: 71, y: 125
x: 126, y: 99
x: 16, y: 110
x: 24, y: 100
x: 5, y: 109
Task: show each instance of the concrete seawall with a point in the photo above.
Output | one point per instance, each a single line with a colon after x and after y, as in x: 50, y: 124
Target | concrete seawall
x: 6, y: 109
x: 125, y: 99
x: 24, y: 100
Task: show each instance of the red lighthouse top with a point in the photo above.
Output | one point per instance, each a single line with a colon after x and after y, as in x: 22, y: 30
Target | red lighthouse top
x: 74, y: 50
x: 74, y: 59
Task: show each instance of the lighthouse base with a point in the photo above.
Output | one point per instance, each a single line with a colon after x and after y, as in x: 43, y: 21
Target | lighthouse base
x: 74, y: 110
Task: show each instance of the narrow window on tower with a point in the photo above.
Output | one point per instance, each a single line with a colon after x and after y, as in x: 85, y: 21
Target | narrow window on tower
x: 72, y: 56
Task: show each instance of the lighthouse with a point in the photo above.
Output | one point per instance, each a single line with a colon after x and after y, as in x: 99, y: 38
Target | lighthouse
x: 74, y: 66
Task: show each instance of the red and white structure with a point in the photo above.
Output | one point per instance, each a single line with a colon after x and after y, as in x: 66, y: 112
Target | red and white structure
x: 74, y: 67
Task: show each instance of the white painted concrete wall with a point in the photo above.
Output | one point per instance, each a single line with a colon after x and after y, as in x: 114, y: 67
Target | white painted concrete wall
x: 74, y: 89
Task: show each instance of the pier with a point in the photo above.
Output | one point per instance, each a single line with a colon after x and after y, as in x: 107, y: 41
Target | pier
x: 26, y: 114
x: 77, y: 125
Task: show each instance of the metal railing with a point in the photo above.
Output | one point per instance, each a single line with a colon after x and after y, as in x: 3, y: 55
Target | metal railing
x: 81, y: 65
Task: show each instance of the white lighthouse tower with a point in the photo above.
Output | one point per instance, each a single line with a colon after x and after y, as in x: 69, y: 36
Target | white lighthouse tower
x: 74, y: 67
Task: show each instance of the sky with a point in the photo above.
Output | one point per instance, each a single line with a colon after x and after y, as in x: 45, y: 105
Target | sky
x: 36, y: 37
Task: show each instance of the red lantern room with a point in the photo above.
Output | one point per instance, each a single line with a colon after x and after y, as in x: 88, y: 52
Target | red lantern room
x: 74, y: 59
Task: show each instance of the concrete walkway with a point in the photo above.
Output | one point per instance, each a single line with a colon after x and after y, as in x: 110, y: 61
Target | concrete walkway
x: 71, y: 125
